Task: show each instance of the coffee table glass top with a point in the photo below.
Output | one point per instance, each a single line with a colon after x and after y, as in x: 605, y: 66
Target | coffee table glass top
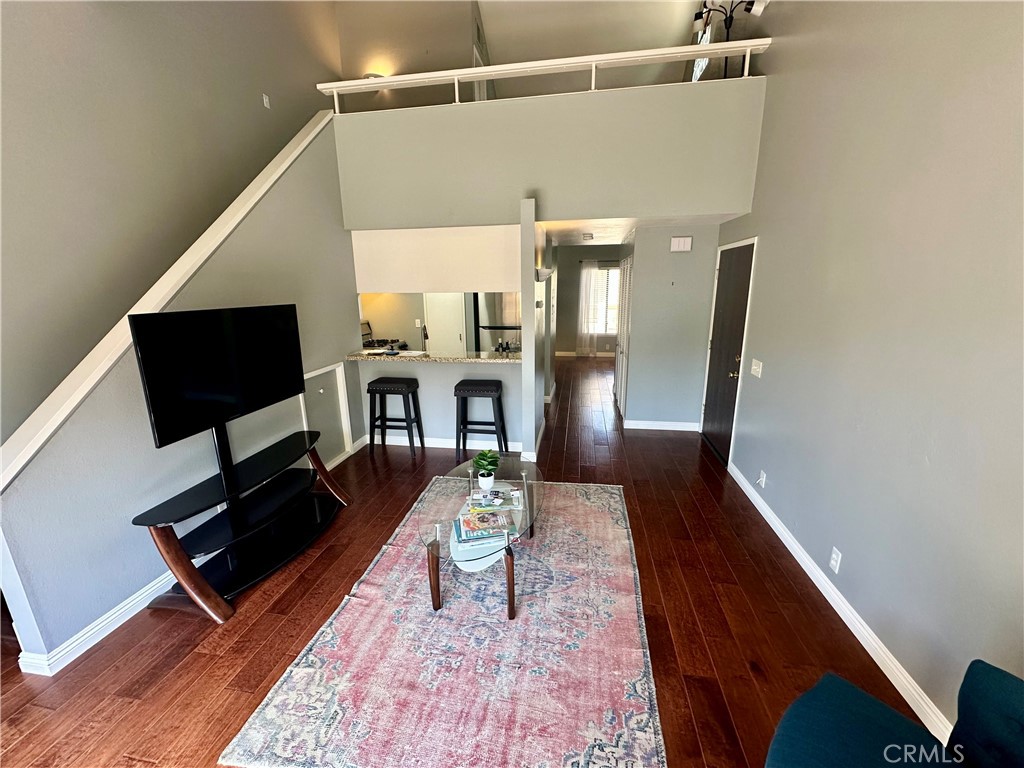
x: 512, y: 505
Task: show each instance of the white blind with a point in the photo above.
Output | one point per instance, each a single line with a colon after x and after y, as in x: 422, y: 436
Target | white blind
x: 603, y: 306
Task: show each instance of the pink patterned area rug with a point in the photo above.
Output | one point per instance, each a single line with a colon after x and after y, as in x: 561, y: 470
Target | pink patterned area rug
x: 388, y: 682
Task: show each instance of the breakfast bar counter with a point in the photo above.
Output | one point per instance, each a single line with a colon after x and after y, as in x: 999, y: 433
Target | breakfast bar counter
x: 409, y: 356
x: 437, y: 377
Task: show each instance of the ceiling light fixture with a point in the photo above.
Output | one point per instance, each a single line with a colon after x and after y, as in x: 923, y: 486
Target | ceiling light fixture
x: 704, y: 17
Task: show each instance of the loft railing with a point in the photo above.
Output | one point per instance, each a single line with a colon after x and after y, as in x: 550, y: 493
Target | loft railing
x: 454, y: 77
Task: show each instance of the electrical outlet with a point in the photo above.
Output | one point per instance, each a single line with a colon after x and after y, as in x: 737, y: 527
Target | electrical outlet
x: 834, y: 562
x: 755, y: 368
x: 417, y: 322
x: 607, y: 347
x: 266, y: 101
x: 761, y: 478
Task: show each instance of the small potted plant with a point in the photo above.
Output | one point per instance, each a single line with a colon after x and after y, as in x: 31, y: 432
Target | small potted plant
x: 485, y: 463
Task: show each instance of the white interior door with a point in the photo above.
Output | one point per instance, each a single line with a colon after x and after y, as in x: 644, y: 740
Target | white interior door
x: 445, y: 318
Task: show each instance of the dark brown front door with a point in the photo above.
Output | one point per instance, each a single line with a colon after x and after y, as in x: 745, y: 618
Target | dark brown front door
x: 724, y: 365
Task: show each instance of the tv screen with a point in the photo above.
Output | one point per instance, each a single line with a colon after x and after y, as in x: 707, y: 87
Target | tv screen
x: 206, y: 367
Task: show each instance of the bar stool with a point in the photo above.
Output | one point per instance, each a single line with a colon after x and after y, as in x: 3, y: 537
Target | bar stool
x: 379, y: 389
x: 466, y: 389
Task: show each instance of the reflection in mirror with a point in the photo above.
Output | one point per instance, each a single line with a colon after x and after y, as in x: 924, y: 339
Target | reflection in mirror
x: 441, y: 323
x: 499, y: 319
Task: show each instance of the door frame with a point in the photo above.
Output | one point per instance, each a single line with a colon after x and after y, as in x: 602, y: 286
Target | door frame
x: 746, y: 330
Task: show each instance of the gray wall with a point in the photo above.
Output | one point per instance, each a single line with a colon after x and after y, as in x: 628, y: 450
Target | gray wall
x: 671, y: 315
x: 72, y: 541
x: 127, y: 129
x: 887, y: 309
x: 569, y: 258
x: 625, y: 153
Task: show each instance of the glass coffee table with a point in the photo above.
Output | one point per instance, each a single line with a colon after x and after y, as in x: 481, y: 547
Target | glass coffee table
x: 442, y: 521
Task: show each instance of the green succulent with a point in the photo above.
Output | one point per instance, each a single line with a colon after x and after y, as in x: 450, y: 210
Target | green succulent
x: 486, y: 461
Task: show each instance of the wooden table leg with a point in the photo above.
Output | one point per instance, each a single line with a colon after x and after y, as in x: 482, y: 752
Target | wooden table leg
x: 510, y: 581
x: 188, y: 576
x: 529, y: 532
x: 434, y: 574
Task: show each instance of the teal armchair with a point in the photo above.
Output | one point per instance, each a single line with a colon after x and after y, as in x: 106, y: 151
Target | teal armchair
x: 835, y: 724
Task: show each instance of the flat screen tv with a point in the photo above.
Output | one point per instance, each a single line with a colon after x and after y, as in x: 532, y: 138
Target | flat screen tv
x: 206, y: 367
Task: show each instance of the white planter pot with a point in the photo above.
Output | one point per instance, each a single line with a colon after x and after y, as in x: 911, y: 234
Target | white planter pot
x: 486, y: 480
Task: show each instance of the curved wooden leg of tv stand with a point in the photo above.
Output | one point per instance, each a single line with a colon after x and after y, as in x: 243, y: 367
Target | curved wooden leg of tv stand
x: 188, y: 576
x: 332, y: 485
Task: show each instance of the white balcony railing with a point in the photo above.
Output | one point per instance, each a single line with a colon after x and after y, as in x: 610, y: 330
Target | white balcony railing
x: 454, y: 77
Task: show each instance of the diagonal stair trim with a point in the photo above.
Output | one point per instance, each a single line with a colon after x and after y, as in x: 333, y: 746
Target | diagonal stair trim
x: 20, y: 448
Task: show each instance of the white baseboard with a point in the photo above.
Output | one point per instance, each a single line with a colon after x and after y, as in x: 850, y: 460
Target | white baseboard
x: 51, y: 663
x: 918, y: 700
x: 674, y: 426
x: 565, y: 354
x: 342, y: 456
x: 575, y: 354
x: 550, y: 395
x: 529, y: 456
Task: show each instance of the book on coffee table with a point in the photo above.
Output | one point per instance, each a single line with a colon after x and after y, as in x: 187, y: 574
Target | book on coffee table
x: 483, y: 525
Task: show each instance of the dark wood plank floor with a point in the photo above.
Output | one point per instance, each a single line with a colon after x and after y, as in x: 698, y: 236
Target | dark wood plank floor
x: 736, y: 629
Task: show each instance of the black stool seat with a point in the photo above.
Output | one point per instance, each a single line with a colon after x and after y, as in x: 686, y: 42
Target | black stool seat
x: 392, y: 385
x: 478, y: 388
x: 489, y: 388
x: 408, y: 390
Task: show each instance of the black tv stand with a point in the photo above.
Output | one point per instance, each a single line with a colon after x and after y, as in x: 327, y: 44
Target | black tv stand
x: 270, y: 515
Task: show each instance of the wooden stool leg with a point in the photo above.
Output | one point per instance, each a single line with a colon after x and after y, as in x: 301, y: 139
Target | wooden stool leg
x: 407, y: 405
x: 373, y: 418
x: 419, y: 417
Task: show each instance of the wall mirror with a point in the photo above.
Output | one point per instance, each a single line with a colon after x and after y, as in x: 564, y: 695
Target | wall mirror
x: 448, y: 324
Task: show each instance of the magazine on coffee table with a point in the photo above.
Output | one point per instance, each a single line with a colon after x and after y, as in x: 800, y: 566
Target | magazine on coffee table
x: 483, y: 525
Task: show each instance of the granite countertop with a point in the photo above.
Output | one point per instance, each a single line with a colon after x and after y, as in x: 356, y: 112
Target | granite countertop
x: 423, y: 357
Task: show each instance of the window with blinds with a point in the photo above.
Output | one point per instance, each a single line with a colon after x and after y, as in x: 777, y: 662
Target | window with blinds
x: 603, y: 314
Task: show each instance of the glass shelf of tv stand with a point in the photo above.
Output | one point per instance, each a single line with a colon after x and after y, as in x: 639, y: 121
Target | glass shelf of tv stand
x: 251, y: 472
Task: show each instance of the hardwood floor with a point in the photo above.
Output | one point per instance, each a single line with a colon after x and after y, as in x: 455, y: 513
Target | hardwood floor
x: 736, y: 629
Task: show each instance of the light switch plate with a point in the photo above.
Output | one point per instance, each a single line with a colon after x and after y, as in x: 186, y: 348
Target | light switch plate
x: 755, y: 368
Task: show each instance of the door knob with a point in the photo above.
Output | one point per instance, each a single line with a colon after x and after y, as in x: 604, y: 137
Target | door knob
x: 734, y: 374
x: 737, y: 358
